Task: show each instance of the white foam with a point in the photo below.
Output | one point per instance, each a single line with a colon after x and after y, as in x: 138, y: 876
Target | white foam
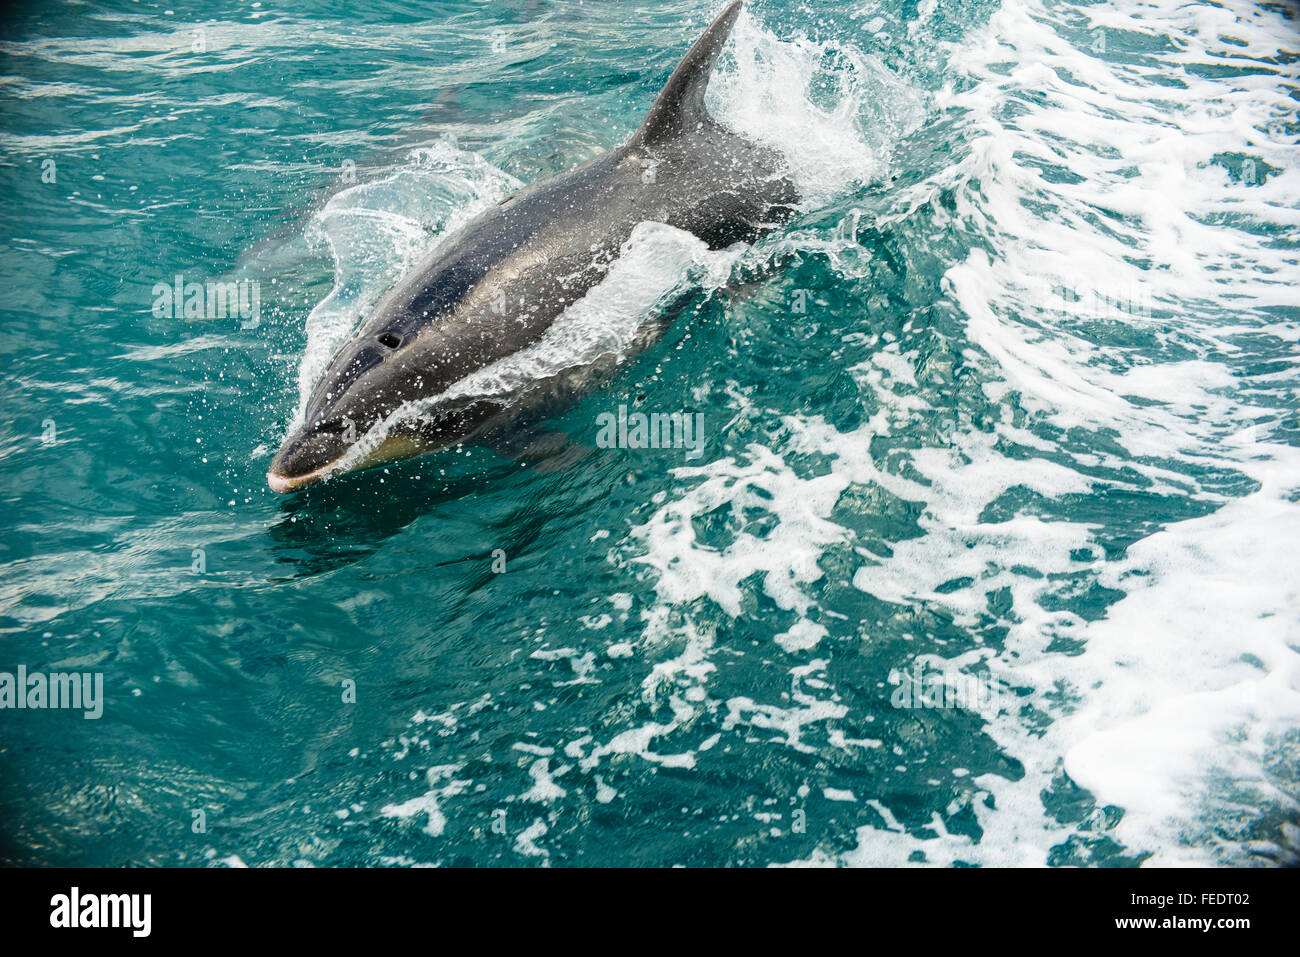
x: 526, y: 841
x: 832, y: 111
x: 442, y: 785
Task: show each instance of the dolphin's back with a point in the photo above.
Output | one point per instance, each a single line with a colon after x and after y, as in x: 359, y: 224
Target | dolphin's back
x: 498, y: 284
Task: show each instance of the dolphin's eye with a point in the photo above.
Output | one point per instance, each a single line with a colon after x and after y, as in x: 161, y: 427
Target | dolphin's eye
x: 390, y: 339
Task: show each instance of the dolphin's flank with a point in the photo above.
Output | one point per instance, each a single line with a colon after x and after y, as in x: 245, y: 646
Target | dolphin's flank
x: 498, y: 284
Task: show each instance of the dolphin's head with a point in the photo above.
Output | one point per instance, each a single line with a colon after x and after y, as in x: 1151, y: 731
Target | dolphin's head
x: 373, y: 377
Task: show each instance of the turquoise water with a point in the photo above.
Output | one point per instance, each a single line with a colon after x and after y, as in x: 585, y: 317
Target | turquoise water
x: 1013, y: 402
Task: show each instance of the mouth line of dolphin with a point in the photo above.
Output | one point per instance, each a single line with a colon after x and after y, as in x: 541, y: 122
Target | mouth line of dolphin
x: 284, y: 484
x: 391, y: 448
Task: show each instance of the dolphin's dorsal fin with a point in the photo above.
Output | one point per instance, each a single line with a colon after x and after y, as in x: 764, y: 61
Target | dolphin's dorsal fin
x: 680, y: 105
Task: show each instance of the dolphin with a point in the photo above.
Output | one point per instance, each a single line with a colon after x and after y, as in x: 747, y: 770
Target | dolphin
x: 497, y: 284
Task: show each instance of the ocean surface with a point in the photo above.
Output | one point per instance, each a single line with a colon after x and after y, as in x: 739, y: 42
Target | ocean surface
x: 987, y: 553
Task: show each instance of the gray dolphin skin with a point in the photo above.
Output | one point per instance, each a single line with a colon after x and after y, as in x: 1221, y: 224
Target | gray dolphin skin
x: 497, y: 284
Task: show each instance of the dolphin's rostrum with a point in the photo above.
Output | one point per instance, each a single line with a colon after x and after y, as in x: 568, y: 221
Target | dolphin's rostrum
x: 498, y: 284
